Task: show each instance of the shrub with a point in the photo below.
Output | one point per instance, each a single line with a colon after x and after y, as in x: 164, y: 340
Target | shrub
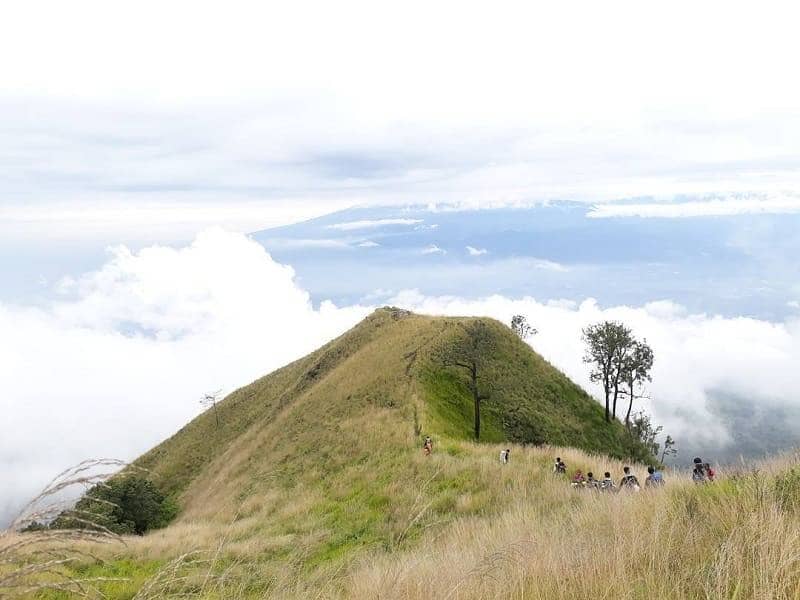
x: 124, y: 505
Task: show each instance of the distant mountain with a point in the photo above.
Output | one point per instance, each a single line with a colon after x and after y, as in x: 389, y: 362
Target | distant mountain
x: 731, y: 265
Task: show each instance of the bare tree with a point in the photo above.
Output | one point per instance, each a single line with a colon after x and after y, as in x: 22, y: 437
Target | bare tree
x: 520, y: 326
x: 607, y: 347
x: 211, y: 401
x: 471, y: 352
x: 637, y: 366
x: 669, y: 448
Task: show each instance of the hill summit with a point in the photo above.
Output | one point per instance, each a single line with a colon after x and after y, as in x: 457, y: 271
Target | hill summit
x: 374, y: 392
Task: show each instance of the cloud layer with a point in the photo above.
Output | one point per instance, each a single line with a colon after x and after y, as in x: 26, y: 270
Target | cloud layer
x: 277, y: 119
x: 120, y: 361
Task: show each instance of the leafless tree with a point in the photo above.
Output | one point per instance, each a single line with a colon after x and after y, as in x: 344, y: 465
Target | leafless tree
x: 211, y: 401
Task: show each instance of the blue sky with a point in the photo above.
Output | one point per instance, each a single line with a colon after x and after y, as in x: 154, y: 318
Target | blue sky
x: 178, y: 180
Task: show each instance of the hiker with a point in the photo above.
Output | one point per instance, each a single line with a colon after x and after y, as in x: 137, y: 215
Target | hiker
x: 505, y: 455
x: 607, y: 485
x: 427, y: 447
x: 578, y: 480
x: 710, y: 473
x: 591, y: 482
x: 629, y: 480
x: 699, y: 473
x: 560, y: 466
x: 654, y: 478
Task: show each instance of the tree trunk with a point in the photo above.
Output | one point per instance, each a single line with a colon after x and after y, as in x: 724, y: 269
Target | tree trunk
x: 630, y: 403
x: 614, y: 408
x: 477, y: 398
x: 607, y: 415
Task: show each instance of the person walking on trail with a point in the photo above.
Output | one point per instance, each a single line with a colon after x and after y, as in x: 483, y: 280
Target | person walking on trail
x: 654, y: 478
x: 505, y: 455
x: 591, y: 482
x: 560, y: 466
x: 607, y: 485
x: 629, y: 481
x: 427, y: 447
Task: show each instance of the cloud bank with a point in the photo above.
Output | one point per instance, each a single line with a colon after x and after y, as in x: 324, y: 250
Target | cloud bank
x: 120, y: 360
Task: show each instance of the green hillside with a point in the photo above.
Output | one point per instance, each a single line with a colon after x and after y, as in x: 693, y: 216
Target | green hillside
x: 317, y: 412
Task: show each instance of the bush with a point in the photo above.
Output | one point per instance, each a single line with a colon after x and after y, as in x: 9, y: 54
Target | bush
x: 124, y: 505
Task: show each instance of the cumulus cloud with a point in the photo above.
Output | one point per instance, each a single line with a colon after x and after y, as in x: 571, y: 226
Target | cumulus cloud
x: 476, y: 251
x: 120, y: 360
x: 433, y: 249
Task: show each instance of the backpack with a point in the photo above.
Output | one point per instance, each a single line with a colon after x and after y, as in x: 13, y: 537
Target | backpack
x: 630, y: 481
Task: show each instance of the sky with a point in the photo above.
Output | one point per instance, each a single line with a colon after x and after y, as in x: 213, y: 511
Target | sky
x: 141, y: 143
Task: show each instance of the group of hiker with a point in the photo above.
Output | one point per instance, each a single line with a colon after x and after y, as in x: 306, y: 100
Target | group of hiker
x: 629, y: 481
x: 701, y: 473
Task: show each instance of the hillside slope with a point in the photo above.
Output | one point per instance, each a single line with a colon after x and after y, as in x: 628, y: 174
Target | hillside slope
x: 320, y: 412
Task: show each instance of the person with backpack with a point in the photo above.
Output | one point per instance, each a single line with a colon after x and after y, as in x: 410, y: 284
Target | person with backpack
x: 654, y: 478
x: 505, y: 455
x: 560, y: 466
x: 427, y: 447
x: 607, y: 485
x: 629, y: 481
x: 591, y: 482
x: 578, y: 480
x: 699, y: 474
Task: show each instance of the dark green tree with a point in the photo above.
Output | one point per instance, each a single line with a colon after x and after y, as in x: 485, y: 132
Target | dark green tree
x: 471, y: 350
x: 126, y: 504
x: 520, y: 326
x: 608, y: 345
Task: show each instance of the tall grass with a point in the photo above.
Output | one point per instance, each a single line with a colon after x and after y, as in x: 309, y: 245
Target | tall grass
x: 518, y: 532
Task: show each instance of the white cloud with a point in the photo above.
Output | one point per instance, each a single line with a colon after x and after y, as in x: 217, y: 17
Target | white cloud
x: 371, y: 224
x: 120, y: 362
x: 306, y: 243
x: 476, y: 251
x: 433, y: 249
x: 368, y: 244
x: 700, y: 208
x: 289, y: 120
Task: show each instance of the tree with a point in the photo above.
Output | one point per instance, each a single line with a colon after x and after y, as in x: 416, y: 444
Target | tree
x: 637, y: 366
x: 645, y: 431
x: 124, y: 504
x: 520, y: 326
x: 669, y: 448
x: 608, y: 345
x: 211, y: 400
x: 471, y: 351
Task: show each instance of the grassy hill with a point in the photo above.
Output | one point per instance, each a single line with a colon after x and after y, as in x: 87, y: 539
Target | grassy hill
x: 377, y: 386
x: 314, y: 485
